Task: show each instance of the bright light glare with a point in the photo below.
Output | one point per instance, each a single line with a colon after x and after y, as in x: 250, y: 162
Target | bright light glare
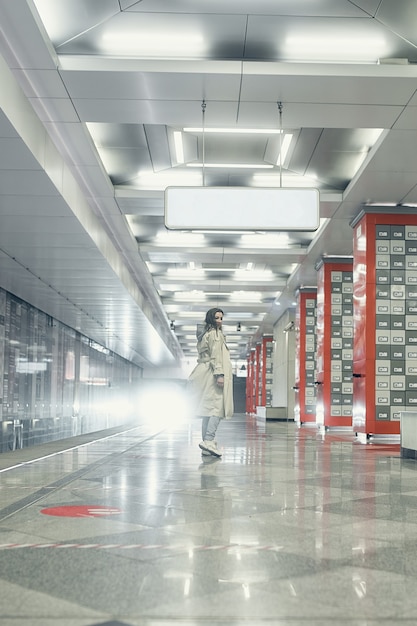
x: 153, y: 44
x: 320, y: 47
x: 164, y: 405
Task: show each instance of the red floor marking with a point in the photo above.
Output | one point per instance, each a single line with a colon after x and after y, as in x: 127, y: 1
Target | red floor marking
x: 81, y: 511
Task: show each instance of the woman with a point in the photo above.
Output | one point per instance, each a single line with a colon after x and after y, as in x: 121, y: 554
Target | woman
x: 212, y: 380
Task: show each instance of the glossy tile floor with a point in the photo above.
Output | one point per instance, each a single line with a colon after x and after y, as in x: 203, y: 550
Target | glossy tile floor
x: 289, y: 527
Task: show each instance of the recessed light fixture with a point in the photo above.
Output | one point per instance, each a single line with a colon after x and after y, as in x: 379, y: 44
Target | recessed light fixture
x: 249, y: 166
x: 288, y: 180
x: 246, y: 296
x: 236, y: 131
x: 152, y: 44
x: 322, y: 47
x: 179, y: 147
x: 161, y: 180
x: 286, y: 142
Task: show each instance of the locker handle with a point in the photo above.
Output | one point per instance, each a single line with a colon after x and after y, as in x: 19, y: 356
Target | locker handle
x: 318, y: 382
x: 357, y: 375
x: 296, y: 388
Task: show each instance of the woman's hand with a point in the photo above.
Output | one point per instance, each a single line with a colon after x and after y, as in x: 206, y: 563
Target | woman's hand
x: 220, y: 381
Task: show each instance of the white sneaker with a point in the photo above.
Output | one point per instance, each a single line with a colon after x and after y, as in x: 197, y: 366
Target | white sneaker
x: 206, y: 452
x: 211, y: 447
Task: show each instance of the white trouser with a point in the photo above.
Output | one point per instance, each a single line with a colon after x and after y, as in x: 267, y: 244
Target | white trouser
x: 209, y: 427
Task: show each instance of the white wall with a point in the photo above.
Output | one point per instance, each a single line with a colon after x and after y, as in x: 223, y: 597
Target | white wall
x: 284, y: 363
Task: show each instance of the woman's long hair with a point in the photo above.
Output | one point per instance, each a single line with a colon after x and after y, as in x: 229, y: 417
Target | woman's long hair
x: 210, y: 318
x: 210, y: 322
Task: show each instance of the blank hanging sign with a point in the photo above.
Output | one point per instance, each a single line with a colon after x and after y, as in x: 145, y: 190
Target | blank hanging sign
x: 241, y: 208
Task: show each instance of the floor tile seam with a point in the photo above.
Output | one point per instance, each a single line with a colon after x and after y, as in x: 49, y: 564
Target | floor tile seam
x: 345, y: 499
x: 35, y: 449
x: 172, y: 549
x: 41, y: 493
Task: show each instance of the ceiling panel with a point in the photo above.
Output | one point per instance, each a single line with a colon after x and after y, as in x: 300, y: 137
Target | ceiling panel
x: 398, y: 152
x: 403, y: 21
x: 215, y: 36
x: 373, y: 90
x: 155, y: 85
x: 40, y: 205
x: 408, y: 119
x: 58, y: 110
x: 344, y: 8
x: 285, y: 39
x: 172, y: 113
x: 299, y: 115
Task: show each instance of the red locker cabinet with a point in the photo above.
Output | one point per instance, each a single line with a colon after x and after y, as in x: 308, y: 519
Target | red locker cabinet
x: 334, y: 342
x: 257, y: 365
x: 250, y: 384
x: 385, y: 320
x: 265, y: 372
x: 305, y: 356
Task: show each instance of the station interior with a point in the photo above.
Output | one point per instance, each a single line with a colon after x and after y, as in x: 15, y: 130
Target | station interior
x: 159, y: 158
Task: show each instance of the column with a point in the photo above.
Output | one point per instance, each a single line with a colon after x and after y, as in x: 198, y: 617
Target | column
x: 385, y: 320
x: 305, y: 356
x: 334, y: 342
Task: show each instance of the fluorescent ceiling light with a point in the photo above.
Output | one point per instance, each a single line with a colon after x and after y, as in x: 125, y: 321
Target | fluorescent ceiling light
x: 161, y: 180
x: 246, y: 296
x: 246, y: 275
x: 266, y: 240
x: 168, y: 238
x: 219, y: 269
x: 179, y: 146
x: 284, y: 148
x: 243, y: 315
x: 381, y: 204
x: 238, y: 274
x: 184, y: 272
x: 190, y: 296
x: 321, y: 47
x: 237, y: 131
x: 153, y: 44
x: 251, y: 166
x: 185, y: 314
x: 286, y: 180
x: 221, y: 232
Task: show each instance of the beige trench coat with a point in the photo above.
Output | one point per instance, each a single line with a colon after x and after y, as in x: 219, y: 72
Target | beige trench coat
x: 213, y: 358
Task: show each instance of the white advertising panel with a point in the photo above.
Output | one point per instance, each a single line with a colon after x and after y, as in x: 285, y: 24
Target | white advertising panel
x: 241, y: 208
